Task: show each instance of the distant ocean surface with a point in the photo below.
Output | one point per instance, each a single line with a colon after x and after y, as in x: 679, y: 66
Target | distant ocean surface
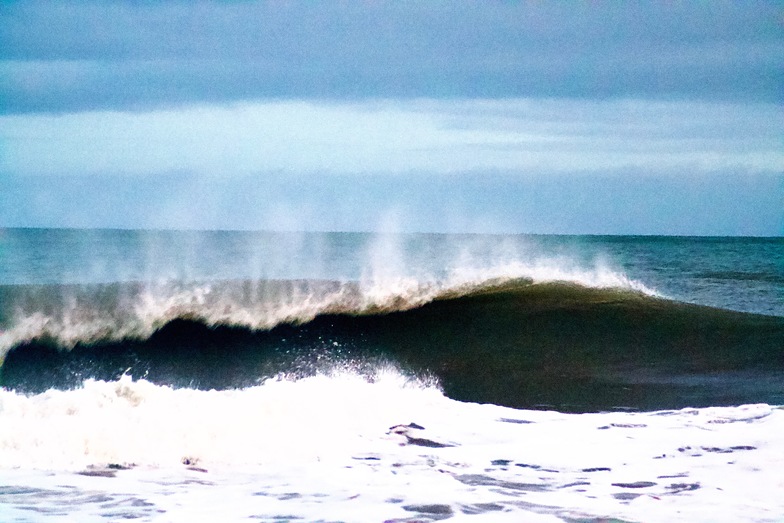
x: 203, y: 376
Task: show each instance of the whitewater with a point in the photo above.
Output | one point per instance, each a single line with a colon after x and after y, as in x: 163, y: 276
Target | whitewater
x: 185, y: 376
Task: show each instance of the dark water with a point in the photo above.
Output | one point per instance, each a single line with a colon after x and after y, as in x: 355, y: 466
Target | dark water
x: 551, y: 322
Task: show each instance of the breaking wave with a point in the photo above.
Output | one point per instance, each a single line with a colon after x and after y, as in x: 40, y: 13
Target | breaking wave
x: 70, y: 314
x: 516, y: 341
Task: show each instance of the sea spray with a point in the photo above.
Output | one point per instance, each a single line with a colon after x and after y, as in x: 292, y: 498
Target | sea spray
x: 72, y: 313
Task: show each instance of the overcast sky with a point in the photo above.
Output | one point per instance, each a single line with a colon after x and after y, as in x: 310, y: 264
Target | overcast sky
x: 542, y: 117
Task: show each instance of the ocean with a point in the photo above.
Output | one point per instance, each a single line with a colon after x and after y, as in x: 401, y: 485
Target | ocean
x: 357, y: 377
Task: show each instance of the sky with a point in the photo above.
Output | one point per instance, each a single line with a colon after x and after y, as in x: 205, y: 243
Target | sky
x: 462, y: 116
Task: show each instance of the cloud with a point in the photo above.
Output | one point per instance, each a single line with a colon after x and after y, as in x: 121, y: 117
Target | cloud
x: 429, y: 136
x: 128, y: 55
x: 465, y: 116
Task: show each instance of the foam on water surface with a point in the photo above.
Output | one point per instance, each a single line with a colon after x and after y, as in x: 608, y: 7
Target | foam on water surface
x: 341, y: 447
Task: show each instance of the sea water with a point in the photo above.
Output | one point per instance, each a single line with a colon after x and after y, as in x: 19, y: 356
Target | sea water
x: 202, y: 376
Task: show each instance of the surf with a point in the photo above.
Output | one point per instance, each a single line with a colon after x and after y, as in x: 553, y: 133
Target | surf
x: 512, y: 342
x: 353, y: 377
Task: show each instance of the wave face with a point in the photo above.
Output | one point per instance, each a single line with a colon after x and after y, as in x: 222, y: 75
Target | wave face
x: 513, y: 342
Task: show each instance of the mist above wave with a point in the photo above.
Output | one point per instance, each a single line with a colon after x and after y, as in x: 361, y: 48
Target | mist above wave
x: 70, y: 314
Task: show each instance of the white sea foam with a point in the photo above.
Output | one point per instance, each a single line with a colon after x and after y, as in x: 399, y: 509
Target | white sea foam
x: 323, y: 448
x: 129, y: 421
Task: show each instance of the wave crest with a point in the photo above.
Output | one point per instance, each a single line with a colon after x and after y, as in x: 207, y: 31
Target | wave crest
x: 72, y: 314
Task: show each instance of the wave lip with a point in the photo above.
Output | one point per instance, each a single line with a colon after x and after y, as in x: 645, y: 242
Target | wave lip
x: 72, y: 314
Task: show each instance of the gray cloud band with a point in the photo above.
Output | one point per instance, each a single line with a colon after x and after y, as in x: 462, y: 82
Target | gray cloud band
x: 120, y: 56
